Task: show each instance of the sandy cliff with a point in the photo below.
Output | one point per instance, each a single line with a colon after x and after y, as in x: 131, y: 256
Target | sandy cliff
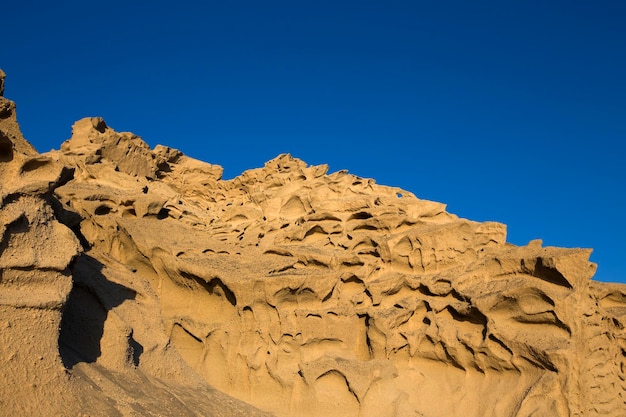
x: 135, y: 281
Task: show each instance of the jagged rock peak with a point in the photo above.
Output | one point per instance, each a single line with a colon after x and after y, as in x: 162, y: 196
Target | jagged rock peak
x: 93, y: 141
x: 7, y: 107
x: 285, y: 163
x: 91, y: 136
x: 11, y: 139
x: 19, y: 160
x: 2, y: 77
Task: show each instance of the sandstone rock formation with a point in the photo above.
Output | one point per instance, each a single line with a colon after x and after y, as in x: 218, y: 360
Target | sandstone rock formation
x: 136, y: 281
x: 2, y: 77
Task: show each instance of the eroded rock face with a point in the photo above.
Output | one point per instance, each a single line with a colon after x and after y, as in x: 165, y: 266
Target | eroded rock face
x: 66, y: 348
x: 305, y: 293
x: 36, y: 251
x: 2, y: 77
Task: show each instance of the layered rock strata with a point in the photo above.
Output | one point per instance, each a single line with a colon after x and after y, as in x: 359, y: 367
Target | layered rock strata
x: 300, y: 292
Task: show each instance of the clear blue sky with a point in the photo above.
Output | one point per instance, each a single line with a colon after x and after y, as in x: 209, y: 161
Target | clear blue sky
x: 513, y: 111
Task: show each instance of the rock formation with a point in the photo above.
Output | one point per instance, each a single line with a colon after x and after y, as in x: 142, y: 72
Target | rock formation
x: 2, y: 77
x: 135, y: 281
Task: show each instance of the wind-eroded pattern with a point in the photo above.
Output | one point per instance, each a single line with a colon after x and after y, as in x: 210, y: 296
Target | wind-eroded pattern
x: 311, y: 294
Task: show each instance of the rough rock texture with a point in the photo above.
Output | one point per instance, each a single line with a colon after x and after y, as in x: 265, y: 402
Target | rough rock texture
x: 144, y: 284
x: 2, y: 77
x: 70, y: 317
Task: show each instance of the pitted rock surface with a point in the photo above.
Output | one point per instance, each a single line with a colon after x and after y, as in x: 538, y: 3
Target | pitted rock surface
x: 287, y: 289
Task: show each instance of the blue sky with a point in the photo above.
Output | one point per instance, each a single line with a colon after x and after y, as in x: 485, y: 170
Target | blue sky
x: 512, y: 111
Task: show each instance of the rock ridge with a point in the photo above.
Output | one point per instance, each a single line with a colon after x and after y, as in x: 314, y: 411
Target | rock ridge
x: 143, y: 281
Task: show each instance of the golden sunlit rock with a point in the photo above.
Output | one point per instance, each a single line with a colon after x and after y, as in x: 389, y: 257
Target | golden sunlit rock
x: 136, y: 281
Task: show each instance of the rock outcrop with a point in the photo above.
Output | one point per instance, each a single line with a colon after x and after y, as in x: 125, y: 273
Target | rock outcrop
x: 144, y: 284
x: 2, y: 77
